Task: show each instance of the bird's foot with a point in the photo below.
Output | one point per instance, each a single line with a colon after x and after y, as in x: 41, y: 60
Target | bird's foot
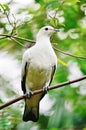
x: 45, y: 89
x: 28, y: 94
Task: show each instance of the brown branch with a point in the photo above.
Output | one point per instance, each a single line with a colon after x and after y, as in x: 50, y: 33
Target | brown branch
x: 69, y: 54
x: 2, y: 37
x: 41, y: 90
x: 6, y: 14
x: 32, y: 41
x: 13, y: 25
x: 16, y: 37
x: 13, y: 39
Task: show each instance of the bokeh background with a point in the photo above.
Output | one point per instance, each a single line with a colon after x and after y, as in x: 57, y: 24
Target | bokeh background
x: 60, y: 109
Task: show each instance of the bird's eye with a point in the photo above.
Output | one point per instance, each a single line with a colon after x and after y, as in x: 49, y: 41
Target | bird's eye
x: 46, y: 29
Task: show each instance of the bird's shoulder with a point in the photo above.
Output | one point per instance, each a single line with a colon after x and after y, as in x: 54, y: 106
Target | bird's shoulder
x: 27, y: 53
x: 41, y: 55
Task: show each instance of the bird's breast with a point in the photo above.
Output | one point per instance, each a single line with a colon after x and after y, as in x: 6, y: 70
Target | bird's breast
x: 37, y: 76
x: 40, y: 69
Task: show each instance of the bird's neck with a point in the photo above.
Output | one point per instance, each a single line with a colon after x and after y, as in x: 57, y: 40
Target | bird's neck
x: 44, y: 42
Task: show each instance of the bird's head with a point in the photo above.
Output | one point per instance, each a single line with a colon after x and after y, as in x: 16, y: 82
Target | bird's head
x: 47, y: 31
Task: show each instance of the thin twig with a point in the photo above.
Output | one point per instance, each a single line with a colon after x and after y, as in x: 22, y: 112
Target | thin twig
x: 2, y: 37
x: 14, y: 25
x: 20, y: 38
x: 41, y: 90
x: 69, y: 54
x: 7, y: 16
x: 17, y: 41
x: 32, y: 41
x: 10, y: 2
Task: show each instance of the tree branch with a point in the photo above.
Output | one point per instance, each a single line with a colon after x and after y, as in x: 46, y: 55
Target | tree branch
x: 16, y: 38
x: 69, y: 54
x: 41, y: 90
x: 13, y: 39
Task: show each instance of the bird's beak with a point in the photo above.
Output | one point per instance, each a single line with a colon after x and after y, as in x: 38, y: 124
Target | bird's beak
x: 56, y: 30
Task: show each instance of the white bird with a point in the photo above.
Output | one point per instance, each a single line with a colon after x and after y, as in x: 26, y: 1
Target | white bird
x: 38, y: 67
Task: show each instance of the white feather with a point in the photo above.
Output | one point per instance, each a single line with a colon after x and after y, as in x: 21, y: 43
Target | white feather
x: 41, y: 58
x: 39, y: 71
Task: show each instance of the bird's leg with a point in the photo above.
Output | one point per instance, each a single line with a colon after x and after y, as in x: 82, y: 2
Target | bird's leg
x: 45, y: 89
x: 28, y: 94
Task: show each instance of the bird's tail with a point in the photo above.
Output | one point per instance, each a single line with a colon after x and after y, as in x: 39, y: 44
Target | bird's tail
x: 31, y: 112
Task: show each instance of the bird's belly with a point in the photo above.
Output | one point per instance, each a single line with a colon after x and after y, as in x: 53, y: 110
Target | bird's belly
x: 37, y: 77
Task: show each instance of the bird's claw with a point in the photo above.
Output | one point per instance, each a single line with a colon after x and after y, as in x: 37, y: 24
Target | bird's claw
x: 28, y: 94
x: 45, y: 89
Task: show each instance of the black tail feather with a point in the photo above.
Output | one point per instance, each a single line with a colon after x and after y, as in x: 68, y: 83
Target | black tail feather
x: 30, y: 115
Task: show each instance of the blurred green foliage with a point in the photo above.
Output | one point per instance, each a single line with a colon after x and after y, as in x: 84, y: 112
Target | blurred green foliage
x: 69, y: 109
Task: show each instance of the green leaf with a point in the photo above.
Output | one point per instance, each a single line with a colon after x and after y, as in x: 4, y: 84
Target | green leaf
x: 71, y: 1
x: 54, y: 22
x: 61, y: 25
x: 54, y: 129
x: 84, y: 128
x: 62, y: 62
x: 1, y: 101
x: 4, y: 7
